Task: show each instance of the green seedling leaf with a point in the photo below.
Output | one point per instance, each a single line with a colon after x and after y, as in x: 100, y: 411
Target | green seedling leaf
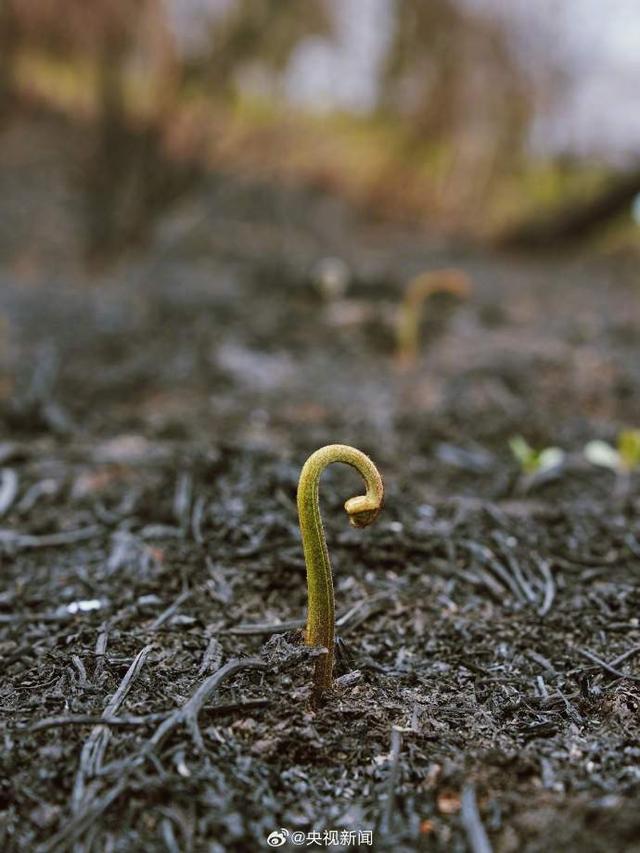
x: 550, y: 457
x: 629, y: 448
x: 603, y: 454
x: 523, y: 453
x: 535, y: 461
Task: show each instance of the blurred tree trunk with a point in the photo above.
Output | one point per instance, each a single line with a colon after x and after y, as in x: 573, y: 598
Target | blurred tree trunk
x: 8, y: 40
x: 130, y: 176
x: 108, y: 164
x: 255, y: 32
x: 576, y: 220
x: 465, y: 100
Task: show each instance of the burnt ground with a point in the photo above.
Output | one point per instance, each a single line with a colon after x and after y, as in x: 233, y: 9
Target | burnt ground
x: 155, y: 417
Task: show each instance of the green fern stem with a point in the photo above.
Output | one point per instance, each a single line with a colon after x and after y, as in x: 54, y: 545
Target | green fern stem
x: 362, y: 511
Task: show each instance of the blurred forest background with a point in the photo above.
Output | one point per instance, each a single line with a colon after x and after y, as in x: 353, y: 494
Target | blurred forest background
x: 514, y: 122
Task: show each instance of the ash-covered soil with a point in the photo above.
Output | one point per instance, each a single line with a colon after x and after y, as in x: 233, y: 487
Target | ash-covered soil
x: 155, y: 417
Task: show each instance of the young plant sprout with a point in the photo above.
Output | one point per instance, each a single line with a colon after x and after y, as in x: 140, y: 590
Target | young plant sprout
x: 362, y: 511
x: 409, y: 315
x: 622, y: 459
x: 535, y: 461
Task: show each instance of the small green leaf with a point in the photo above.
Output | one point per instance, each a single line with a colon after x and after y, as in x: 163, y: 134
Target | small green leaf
x: 550, y: 457
x: 531, y: 461
x: 629, y: 448
x: 600, y: 453
x: 523, y: 453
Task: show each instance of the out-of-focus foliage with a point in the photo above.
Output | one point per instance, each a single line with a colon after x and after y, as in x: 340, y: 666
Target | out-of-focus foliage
x: 138, y: 35
x: 457, y: 99
x: 105, y: 41
x: 103, y: 38
x: 255, y: 33
x: 452, y: 72
x: 625, y: 457
x: 453, y: 77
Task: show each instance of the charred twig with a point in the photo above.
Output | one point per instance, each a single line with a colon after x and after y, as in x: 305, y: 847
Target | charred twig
x: 124, y: 548
x: 572, y: 712
x: 169, y: 612
x: 625, y: 656
x: 43, y: 488
x: 101, y: 647
x: 487, y: 558
x: 161, y: 531
x: 392, y: 781
x: 212, y: 656
x: 93, y: 720
x: 542, y: 689
x: 632, y: 544
x: 541, y: 661
x: 361, y: 611
x: 267, y: 627
x: 168, y: 836
x: 8, y: 489
x: 482, y: 578
x: 48, y: 616
x: 348, y: 619
x: 472, y: 823
x: 474, y: 667
x: 74, y: 828
x: 82, y: 672
x: 182, y: 499
x: 96, y: 744
x: 188, y: 713
x: 25, y: 541
x: 133, y: 721
x: 611, y: 670
x: 505, y: 544
x: 549, y: 586
x: 197, y: 516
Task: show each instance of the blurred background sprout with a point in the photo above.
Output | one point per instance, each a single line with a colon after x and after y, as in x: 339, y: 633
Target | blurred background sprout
x: 452, y: 282
x: 533, y: 461
x: 623, y: 458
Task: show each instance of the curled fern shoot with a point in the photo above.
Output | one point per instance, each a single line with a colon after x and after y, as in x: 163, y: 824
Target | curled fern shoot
x: 362, y: 511
x: 409, y: 316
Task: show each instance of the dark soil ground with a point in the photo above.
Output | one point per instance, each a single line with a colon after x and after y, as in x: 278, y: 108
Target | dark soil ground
x: 155, y: 418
